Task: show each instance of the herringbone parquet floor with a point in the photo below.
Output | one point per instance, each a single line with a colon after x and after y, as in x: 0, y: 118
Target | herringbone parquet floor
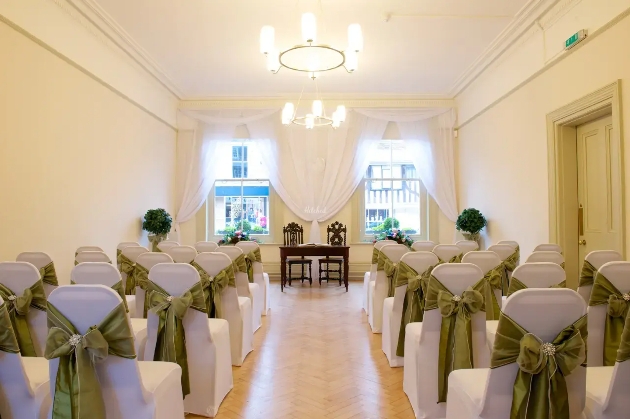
x: 315, y: 357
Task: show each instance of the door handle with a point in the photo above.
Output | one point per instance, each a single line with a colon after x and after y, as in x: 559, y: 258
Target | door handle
x: 582, y: 242
x: 580, y: 220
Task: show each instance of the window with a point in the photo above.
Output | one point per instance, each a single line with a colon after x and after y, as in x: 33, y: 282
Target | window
x: 241, y: 199
x: 392, y: 190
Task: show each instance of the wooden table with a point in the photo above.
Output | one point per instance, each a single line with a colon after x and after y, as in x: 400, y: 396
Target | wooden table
x: 286, y: 251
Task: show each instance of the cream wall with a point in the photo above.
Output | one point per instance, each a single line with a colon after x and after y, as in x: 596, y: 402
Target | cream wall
x: 79, y: 164
x: 502, y: 153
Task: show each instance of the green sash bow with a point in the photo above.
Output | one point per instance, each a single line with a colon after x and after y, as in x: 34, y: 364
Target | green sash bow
x: 604, y: 292
x: 213, y: 286
x: 128, y: 266
x: 77, y: 388
x: 250, y: 258
x: 516, y: 285
x: 456, y: 349
x: 8, y: 341
x: 623, y: 353
x: 48, y: 274
x: 454, y: 259
x: 413, y: 306
x: 587, y: 275
x: 540, y: 388
x: 493, y: 280
x: 509, y: 264
x: 171, y: 338
x: 391, y: 269
x: 141, y: 279
x: 18, y: 308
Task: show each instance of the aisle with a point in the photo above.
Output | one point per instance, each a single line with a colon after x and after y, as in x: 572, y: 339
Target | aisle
x: 315, y: 357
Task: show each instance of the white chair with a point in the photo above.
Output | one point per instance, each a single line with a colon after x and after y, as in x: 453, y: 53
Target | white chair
x: 546, y: 256
x: 24, y: 387
x: 423, y: 246
x: 487, y: 393
x: 102, y: 273
x: 509, y: 243
x: 39, y: 260
x: 618, y: 273
x: 422, y: 343
x: 88, y: 249
x: 260, y: 277
x: 467, y: 246
x: 181, y: 254
x: 380, y: 287
x: 503, y: 250
x: 244, y: 288
x: 597, y: 258
x: 19, y: 276
x: 148, y: 260
x: 486, y: 261
x: 203, y: 247
x: 121, y: 246
x: 236, y: 310
x: 393, y: 306
x: 548, y: 247
x: 163, y: 246
x: 207, y: 343
x: 132, y: 253
x: 370, y: 276
x: 446, y: 252
x: 91, y: 256
x: 130, y: 388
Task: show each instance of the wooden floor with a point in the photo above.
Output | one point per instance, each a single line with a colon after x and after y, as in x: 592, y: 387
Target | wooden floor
x: 315, y: 357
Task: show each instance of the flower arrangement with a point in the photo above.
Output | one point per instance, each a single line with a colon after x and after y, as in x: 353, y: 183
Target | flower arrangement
x: 235, y: 237
x: 396, y: 235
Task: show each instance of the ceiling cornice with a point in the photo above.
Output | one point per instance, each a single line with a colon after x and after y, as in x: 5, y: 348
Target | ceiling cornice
x: 350, y: 103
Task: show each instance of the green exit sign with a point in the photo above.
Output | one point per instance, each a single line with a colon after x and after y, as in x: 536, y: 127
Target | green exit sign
x: 575, y: 39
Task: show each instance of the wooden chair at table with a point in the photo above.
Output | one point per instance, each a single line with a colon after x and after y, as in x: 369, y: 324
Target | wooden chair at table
x: 293, y: 236
x: 335, y: 236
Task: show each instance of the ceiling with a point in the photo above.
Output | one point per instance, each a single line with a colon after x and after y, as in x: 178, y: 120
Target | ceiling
x: 210, y: 48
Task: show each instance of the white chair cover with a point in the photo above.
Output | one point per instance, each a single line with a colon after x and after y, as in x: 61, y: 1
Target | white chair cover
x: 597, y: 258
x: 548, y: 247
x: 618, y: 273
x: 148, y: 260
x: 260, y: 277
x: 244, y: 288
x: 423, y: 246
x: 203, y: 247
x: 163, y: 246
x: 503, y: 250
x: 380, y: 286
x: 446, y: 251
x: 422, y: 343
x: 132, y: 252
x: 92, y: 256
x: 181, y: 254
x: 487, y: 393
x: 236, y: 310
x: 18, y: 276
x: 370, y: 276
x: 486, y: 261
x: 467, y: 245
x: 545, y: 256
x: 39, y: 260
x: 509, y: 243
x: 121, y: 246
x: 24, y: 387
x: 207, y: 343
x: 89, y: 249
x: 131, y: 388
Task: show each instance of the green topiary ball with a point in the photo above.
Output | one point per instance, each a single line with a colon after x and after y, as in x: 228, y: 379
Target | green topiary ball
x: 157, y: 221
x: 471, y: 221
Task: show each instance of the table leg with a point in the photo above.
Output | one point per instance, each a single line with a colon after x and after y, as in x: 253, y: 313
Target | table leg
x: 283, y: 271
x: 345, y: 269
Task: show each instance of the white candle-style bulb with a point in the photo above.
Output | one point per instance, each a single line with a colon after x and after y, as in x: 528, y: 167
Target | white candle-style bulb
x: 309, y: 27
x: 352, y: 60
x: 310, y: 121
x: 267, y: 39
x: 355, y: 37
x: 273, y: 61
x: 341, y: 111
x: 287, y: 113
x: 336, y: 121
x: 318, y: 108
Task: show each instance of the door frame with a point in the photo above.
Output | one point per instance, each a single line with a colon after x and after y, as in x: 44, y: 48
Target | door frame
x: 562, y: 163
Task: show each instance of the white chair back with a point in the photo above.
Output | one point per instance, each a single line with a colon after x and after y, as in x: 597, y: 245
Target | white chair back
x: 95, y: 273
x: 18, y: 276
x: 395, y: 251
x: 166, y: 244
x: 511, y: 243
x: 89, y: 249
x: 148, y: 260
x: 486, y: 261
x: 544, y: 313
x: 132, y: 252
x: 548, y: 247
x: 181, y: 254
x: 213, y: 263
x: 379, y: 244
x: 446, y: 251
x: 39, y: 260
x: 92, y: 256
x: 597, y: 258
x: 249, y: 246
x: 122, y: 245
x: 467, y: 246
x: 540, y: 274
x: 618, y: 273
x: 545, y: 256
x: 617, y: 402
x: 203, y: 247
x: 503, y: 250
x: 423, y: 246
x: 420, y: 261
x: 242, y: 281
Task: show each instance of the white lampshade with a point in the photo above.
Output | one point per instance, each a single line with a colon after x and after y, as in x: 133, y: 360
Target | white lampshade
x: 318, y: 108
x: 267, y: 39
x: 287, y: 113
x: 336, y: 121
x: 352, y: 60
x: 309, y: 27
x: 310, y: 121
x: 341, y: 112
x: 355, y: 38
x: 273, y: 61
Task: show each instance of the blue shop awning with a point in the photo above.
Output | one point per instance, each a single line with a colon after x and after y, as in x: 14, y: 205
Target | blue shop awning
x: 247, y: 191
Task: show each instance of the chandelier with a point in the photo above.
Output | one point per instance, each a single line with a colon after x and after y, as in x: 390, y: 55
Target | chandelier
x: 310, y: 57
x: 316, y: 118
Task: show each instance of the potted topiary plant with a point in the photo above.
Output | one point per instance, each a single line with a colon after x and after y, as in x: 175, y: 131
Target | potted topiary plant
x: 158, y: 223
x: 470, y: 222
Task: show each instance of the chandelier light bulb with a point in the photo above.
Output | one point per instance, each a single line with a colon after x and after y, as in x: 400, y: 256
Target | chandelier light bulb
x: 336, y: 120
x: 287, y: 113
x: 318, y: 108
x: 352, y: 61
x: 273, y: 61
x: 309, y: 27
x: 310, y: 121
x: 341, y: 112
x: 355, y: 38
x: 267, y: 39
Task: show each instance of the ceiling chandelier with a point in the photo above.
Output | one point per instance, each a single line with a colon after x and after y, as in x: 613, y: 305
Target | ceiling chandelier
x: 316, y: 118
x: 310, y: 57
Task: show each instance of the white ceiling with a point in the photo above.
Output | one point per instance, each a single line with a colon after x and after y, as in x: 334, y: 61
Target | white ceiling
x: 210, y: 48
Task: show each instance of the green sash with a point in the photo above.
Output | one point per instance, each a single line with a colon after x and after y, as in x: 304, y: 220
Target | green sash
x: 141, y: 279
x: 587, y: 275
x: 604, y: 292
x: 509, y: 264
x: 375, y: 253
x: 413, y: 306
x: 128, y: 266
x: 213, y: 286
x: 454, y: 259
x: 380, y: 263
x: 456, y: 349
x: 540, y: 388
x: 171, y: 338
x: 118, y: 254
x: 77, y: 389
x: 250, y: 258
x: 623, y: 353
x: 48, y: 274
x: 239, y: 264
x: 8, y: 341
x: 18, y: 308
x: 118, y: 287
x: 391, y: 269
x: 516, y: 285
x: 493, y: 280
